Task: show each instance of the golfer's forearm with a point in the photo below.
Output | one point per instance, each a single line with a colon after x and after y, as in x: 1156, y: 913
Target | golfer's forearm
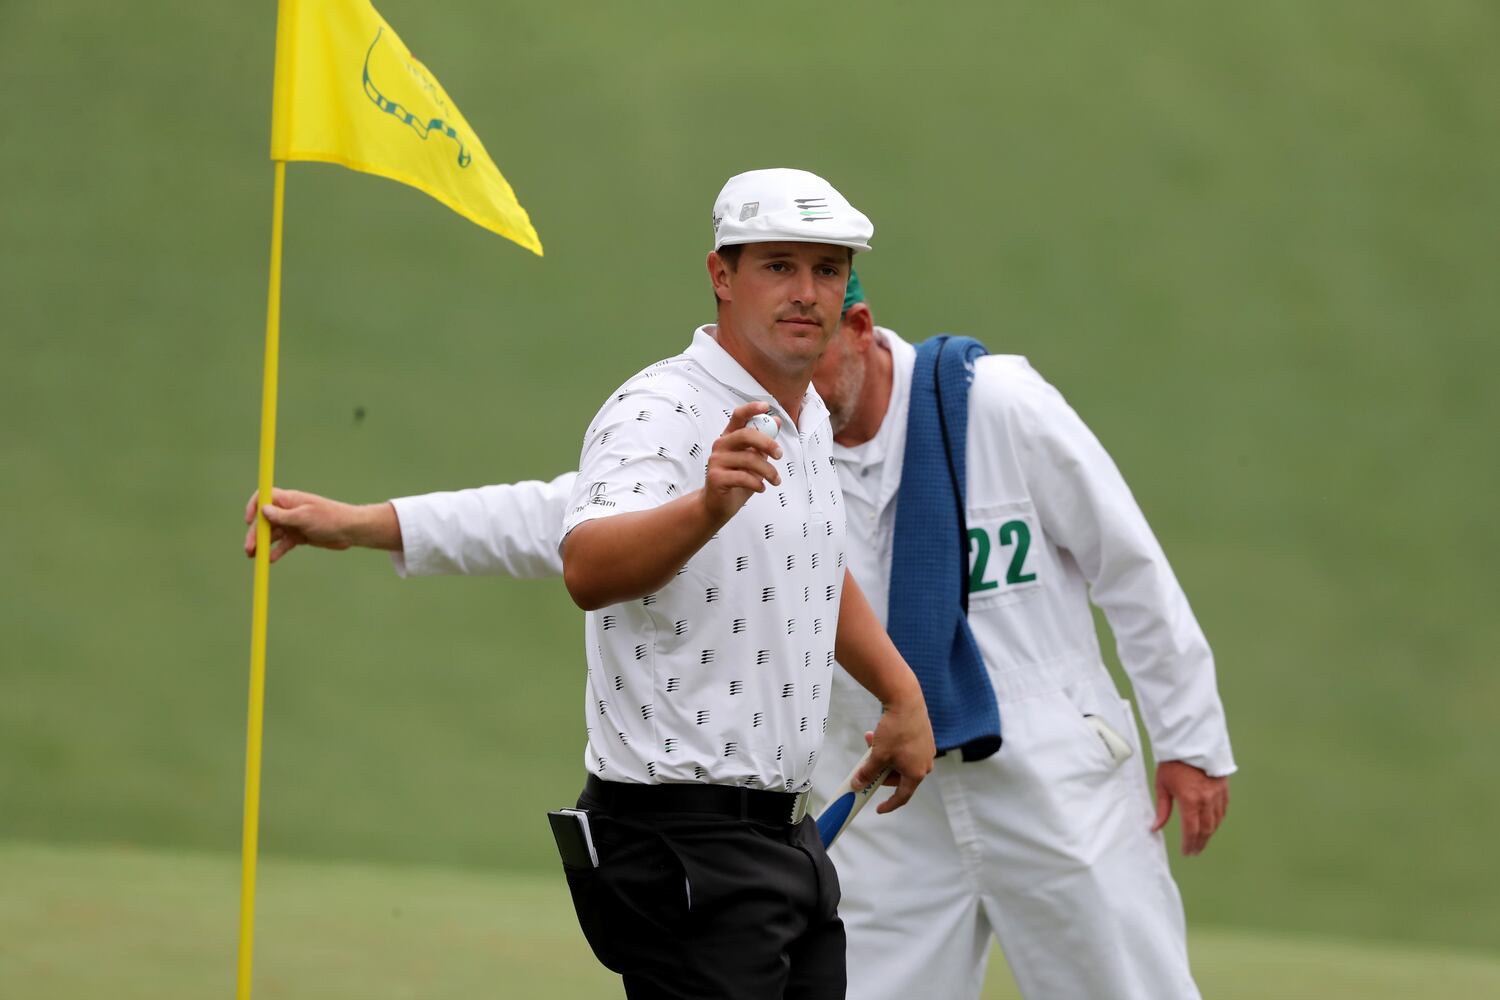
x: 620, y: 558
x: 865, y: 651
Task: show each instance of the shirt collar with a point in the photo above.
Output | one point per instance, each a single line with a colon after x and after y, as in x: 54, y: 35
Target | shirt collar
x: 904, y: 363
x: 710, y: 355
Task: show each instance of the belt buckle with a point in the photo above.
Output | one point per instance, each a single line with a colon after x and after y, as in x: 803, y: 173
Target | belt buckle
x: 799, y: 808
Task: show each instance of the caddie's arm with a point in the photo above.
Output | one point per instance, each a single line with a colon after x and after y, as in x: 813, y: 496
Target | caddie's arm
x: 621, y: 557
x: 902, y: 739
x: 1085, y: 506
x: 506, y: 529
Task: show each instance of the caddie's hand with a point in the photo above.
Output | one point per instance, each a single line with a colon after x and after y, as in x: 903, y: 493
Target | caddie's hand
x: 902, y: 741
x: 299, y: 518
x: 739, y: 464
x: 1201, y: 800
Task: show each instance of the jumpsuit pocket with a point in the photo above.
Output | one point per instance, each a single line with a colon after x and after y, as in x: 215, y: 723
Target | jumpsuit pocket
x: 1114, y: 741
x: 1095, y: 724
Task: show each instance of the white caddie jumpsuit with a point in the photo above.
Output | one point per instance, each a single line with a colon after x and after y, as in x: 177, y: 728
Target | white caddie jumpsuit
x: 1046, y: 845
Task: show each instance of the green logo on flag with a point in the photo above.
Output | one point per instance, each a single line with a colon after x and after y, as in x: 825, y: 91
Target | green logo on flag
x: 390, y: 107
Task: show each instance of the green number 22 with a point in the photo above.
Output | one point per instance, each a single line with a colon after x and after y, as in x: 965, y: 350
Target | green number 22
x: 1011, y: 532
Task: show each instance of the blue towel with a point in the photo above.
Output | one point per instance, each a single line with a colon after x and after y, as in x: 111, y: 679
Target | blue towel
x: 928, y: 617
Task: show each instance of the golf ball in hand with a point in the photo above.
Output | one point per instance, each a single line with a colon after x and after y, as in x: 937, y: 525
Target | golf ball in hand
x: 765, y: 423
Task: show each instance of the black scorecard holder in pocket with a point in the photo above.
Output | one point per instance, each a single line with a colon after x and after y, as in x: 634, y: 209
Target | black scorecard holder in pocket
x: 575, y: 844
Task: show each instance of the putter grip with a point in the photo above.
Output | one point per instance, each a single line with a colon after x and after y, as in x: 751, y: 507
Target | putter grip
x: 841, y: 811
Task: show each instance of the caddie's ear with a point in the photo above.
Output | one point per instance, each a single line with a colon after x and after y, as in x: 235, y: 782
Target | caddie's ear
x: 859, y: 325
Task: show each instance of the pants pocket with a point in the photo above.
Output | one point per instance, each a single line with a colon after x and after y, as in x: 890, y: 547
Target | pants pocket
x: 638, y: 892
x: 588, y: 904
x: 829, y: 891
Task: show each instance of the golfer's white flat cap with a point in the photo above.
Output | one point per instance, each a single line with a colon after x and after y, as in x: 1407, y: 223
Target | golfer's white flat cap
x: 783, y: 205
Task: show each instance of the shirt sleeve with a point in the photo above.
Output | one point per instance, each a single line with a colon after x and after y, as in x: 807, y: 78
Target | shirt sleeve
x: 502, y: 530
x: 1084, y: 504
x: 642, y: 450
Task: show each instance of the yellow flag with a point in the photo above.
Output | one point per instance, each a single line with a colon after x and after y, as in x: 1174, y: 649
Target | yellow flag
x: 348, y: 91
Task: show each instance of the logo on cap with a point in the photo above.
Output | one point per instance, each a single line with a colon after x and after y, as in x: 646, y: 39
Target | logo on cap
x: 814, y: 209
x: 749, y: 211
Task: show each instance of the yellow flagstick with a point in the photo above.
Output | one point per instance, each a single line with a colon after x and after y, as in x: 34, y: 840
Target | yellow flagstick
x: 260, y: 604
x: 261, y: 600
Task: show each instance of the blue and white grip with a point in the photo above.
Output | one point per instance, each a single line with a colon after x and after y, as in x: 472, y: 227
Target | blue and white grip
x: 841, y: 811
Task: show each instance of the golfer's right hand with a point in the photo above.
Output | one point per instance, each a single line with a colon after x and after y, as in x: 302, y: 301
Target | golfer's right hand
x: 739, y: 464
x: 299, y: 518
x: 901, y: 741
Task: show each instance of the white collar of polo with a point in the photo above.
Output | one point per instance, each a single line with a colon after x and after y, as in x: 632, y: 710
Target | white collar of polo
x: 721, y: 366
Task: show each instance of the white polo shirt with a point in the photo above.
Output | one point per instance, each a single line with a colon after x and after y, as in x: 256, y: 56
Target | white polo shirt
x: 723, y: 675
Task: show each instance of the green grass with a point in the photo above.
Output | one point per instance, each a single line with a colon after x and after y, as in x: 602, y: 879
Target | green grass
x: 95, y: 922
x: 88, y: 922
x: 1253, y: 243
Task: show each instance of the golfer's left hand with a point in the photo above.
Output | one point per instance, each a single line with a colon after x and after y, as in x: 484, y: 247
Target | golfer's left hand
x: 1202, y: 802
x: 902, y: 741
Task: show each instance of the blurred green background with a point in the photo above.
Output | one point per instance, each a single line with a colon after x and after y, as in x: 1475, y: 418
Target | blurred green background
x: 1254, y: 244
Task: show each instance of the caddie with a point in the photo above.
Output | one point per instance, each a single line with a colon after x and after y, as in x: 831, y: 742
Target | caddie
x: 1052, y: 843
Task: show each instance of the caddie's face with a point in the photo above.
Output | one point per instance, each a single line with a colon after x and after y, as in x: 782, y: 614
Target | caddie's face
x: 840, y: 374
x: 784, y: 299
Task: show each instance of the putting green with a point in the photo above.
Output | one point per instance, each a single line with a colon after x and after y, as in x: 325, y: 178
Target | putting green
x: 124, y: 923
